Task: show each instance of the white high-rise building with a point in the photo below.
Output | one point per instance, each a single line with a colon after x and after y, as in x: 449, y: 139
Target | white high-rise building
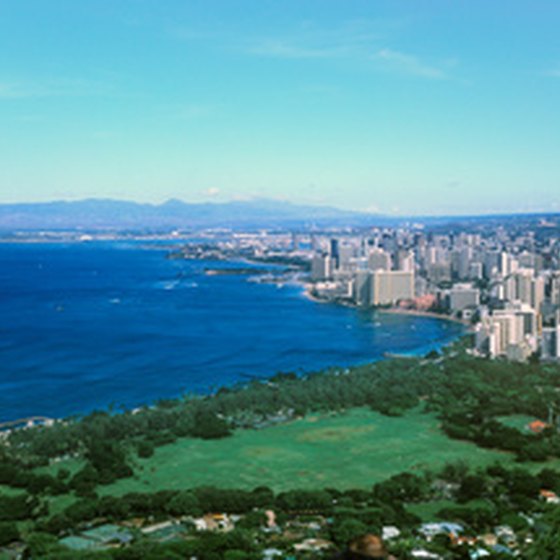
x: 555, y: 289
x: 361, y: 288
x: 523, y: 286
x: 510, y: 332
x: 475, y: 271
x: 378, y: 259
x: 389, y: 286
x: 463, y: 296
x: 321, y: 267
x: 405, y: 261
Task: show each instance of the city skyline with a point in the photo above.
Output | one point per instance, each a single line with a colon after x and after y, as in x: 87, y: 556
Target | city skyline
x: 380, y: 107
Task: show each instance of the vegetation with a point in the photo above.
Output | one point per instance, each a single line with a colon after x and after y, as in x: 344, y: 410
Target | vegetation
x: 398, y: 415
x: 348, y: 450
x: 484, y: 498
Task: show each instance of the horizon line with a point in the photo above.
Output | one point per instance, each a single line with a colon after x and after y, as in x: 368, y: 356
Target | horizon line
x: 388, y: 214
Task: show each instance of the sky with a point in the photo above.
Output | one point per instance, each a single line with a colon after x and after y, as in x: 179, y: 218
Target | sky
x: 416, y: 107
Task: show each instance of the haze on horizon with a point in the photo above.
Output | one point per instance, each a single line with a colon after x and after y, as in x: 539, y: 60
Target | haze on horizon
x: 388, y: 106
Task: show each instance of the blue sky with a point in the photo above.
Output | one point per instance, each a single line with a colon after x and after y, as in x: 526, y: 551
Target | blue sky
x: 407, y: 107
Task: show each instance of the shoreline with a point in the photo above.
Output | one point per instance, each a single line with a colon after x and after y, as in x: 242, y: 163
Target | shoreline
x: 306, y: 291
x: 427, y: 314
x: 387, y: 310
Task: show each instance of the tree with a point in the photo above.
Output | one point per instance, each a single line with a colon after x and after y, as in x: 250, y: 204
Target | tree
x: 8, y: 533
x: 185, y: 503
x: 145, y: 449
x: 347, y: 529
x: 207, y: 425
x: 472, y: 487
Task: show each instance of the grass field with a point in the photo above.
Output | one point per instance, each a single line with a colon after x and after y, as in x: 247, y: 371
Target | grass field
x: 518, y: 421
x: 9, y: 491
x: 355, y: 449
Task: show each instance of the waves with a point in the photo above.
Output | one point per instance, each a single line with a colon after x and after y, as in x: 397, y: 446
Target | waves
x: 105, y: 323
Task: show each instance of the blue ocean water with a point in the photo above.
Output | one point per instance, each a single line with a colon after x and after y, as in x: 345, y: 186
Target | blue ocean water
x: 84, y: 326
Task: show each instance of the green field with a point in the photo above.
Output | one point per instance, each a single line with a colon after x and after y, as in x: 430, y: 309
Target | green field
x: 355, y: 449
x: 518, y: 421
x: 9, y: 491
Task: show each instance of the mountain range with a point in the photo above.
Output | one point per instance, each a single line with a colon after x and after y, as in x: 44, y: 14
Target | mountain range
x: 121, y: 215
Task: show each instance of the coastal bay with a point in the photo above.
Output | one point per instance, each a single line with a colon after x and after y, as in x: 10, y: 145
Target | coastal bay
x: 88, y: 325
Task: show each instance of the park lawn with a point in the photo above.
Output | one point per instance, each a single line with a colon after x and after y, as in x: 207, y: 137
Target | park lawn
x: 518, y: 421
x: 351, y: 450
x: 71, y: 465
x: 9, y: 491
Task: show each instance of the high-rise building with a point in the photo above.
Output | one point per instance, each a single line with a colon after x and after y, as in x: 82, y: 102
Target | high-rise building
x: 510, y: 332
x: 463, y: 296
x: 378, y: 259
x: 439, y: 272
x: 334, y: 252
x: 555, y: 289
x: 321, y: 267
x: 389, y: 286
x: 346, y: 253
x: 405, y: 260
x: 524, y: 287
x: 361, y: 288
x: 461, y: 260
x: 475, y: 271
x: 550, y: 343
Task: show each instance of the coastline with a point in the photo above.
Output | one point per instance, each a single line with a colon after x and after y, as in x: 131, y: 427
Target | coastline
x: 295, y: 279
x: 308, y: 293
x: 428, y: 314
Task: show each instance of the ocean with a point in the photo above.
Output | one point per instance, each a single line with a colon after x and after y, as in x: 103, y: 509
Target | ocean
x: 89, y: 326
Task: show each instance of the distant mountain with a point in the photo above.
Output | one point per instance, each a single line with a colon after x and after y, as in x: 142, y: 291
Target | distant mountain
x: 122, y: 215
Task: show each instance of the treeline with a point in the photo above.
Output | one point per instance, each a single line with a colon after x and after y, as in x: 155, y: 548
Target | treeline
x: 472, y: 394
x: 510, y: 490
x: 467, y: 393
x: 106, y: 439
x: 485, y: 498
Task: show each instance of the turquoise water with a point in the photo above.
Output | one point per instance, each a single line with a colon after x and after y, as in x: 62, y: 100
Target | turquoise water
x: 85, y: 326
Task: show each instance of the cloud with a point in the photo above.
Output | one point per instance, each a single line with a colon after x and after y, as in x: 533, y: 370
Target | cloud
x: 61, y: 87
x: 358, y: 39
x: 212, y: 192
x: 553, y: 73
x: 282, y: 49
x: 309, y: 41
x: 409, y: 64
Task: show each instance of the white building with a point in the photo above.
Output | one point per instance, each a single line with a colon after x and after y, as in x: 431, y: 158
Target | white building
x: 510, y: 332
x: 389, y: 286
x: 321, y: 267
x: 378, y: 259
x: 463, y: 296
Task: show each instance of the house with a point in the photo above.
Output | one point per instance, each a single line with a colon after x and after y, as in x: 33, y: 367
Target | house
x: 461, y: 541
x: 270, y: 519
x: 537, y: 426
x: 489, y: 539
x: 313, y: 545
x: 390, y: 532
x: 549, y: 497
x: 272, y: 553
x: 506, y: 534
x: 214, y: 522
x: 422, y: 553
x: 430, y: 530
x: 479, y: 553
